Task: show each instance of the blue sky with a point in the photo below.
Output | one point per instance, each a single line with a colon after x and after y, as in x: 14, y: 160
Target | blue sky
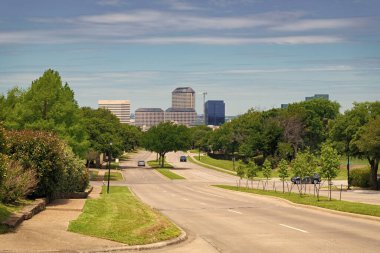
x: 250, y: 53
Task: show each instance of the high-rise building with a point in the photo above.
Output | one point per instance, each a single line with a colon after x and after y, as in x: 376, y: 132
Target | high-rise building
x: 148, y: 117
x: 181, y: 116
x: 323, y: 96
x: 215, y: 112
x: 183, y: 97
x: 120, y: 108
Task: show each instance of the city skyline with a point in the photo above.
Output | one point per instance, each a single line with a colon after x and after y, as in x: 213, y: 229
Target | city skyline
x: 251, y: 54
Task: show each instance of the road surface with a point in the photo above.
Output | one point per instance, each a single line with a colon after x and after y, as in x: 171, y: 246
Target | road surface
x: 218, y: 220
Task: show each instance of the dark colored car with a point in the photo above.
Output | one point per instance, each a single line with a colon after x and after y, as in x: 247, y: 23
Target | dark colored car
x: 183, y: 158
x: 315, y: 179
x: 141, y: 163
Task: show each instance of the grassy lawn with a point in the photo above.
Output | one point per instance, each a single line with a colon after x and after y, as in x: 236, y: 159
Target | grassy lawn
x: 169, y: 174
x: 7, y: 210
x: 94, y: 175
x: 344, y: 206
x: 164, y: 171
x: 115, y: 176
x: 194, y: 160
x: 120, y: 217
x: 155, y: 164
x: 227, y: 165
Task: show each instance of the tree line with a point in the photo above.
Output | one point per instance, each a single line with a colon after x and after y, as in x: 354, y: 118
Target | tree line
x: 276, y: 134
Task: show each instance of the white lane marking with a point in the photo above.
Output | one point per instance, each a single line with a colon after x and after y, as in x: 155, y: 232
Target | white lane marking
x: 185, y: 199
x: 203, y: 203
x: 233, y: 211
x: 303, y: 231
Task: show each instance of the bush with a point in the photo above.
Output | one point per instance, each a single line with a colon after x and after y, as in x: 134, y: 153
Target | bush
x: 57, y: 168
x: 360, y: 177
x: 18, y: 183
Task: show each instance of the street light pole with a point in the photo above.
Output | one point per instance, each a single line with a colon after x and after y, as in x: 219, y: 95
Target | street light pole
x: 109, y: 168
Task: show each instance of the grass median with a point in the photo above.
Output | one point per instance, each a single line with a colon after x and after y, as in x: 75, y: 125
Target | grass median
x: 337, y: 205
x: 114, y: 176
x: 165, y: 170
x: 120, y: 217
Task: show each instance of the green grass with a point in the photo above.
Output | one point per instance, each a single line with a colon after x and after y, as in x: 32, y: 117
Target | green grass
x: 94, y: 175
x: 120, y: 217
x: 195, y: 161
x: 7, y: 210
x: 228, y: 165
x: 115, y: 176
x: 155, y: 164
x: 169, y: 174
x: 353, y: 161
x: 343, y: 206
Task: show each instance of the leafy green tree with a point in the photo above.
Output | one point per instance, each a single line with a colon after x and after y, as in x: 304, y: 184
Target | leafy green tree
x: 368, y: 143
x: 283, y: 172
x: 48, y: 105
x: 315, y: 115
x: 167, y: 137
x: 251, y: 170
x: 330, y: 163
x: 267, y: 170
x: 240, y: 172
x: 200, y: 136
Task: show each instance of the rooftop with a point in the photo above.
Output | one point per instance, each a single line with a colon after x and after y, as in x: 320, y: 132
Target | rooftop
x: 149, y: 110
x: 183, y: 90
x: 171, y: 109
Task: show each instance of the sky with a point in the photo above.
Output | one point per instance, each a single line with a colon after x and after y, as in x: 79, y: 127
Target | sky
x: 250, y: 53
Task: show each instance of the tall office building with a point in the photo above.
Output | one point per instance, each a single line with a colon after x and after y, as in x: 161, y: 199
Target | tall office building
x: 183, y: 97
x: 148, y: 117
x: 215, y: 112
x: 323, y: 96
x: 120, y: 108
x: 181, y: 116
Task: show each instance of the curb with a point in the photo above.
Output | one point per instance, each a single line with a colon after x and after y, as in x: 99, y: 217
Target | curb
x: 355, y: 215
x: 15, y: 219
x: 157, y: 245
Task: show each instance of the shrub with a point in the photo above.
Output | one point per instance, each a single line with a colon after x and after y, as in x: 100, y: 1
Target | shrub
x: 360, y: 177
x: 57, y: 168
x: 18, y: 183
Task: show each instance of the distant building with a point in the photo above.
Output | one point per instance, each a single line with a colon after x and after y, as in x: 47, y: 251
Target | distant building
x: 148, y: 117
x: 183, y: 97
x: 181, y: 116
x: 215, y: 112
x: 120, y: 108
x: 323, y: 96
x: 284, y: 106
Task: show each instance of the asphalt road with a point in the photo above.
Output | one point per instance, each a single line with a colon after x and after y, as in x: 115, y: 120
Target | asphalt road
x: 218, y: 220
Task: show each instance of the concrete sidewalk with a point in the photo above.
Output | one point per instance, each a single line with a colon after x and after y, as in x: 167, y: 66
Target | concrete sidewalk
x: 47, y: 231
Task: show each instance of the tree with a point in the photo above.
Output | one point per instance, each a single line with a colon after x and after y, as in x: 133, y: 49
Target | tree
x: 240, y: 172
x: 267, y: 170
x: 299, y: 168
x: 251, y: 170
x: 200, y: 136
x: 167, y: 137
x: 348, y: 131
x: 329, y: 164
x: 48, y: 105
x: 368, y: 143
x: 314, y: 115
x: 283, y: 172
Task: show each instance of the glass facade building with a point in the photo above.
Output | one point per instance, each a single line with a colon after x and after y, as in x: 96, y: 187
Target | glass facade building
x: 215, y: 112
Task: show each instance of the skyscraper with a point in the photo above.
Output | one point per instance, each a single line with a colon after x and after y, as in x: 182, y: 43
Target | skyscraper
x: 120, y: 108
x: 148, y: 117
x: 183, y: 97
x: 215, y: 112
x: 183, y: 107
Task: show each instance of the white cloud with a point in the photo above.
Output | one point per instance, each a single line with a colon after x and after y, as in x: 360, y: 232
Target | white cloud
x: 109, y: 2
x: 291, y: 40
x: 180, y: 5
x: 318, y: 24
x: 313, y: 69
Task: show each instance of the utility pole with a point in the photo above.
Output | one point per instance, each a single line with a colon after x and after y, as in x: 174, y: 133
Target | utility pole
x: 204, y: 107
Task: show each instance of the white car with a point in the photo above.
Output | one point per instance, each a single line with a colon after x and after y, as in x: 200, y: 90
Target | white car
x: 141, y: 163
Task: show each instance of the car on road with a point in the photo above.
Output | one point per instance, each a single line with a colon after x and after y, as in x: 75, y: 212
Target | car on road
x: 141, y: 163
x: 315, y: 179
x: 183, y: 158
